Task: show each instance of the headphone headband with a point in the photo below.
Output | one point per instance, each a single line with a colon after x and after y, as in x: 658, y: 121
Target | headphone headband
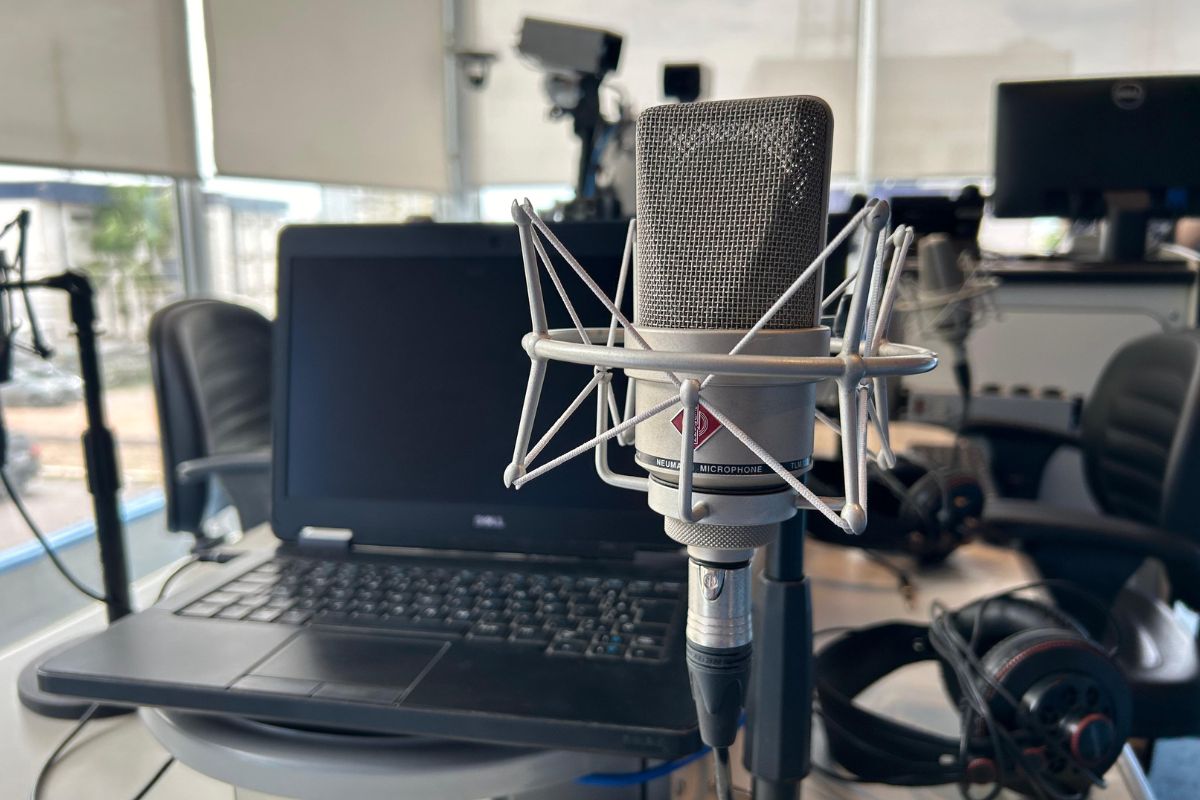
x: 845, y: 668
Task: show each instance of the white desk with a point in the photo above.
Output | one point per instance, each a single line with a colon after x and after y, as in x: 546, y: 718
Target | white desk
x: 115, y: 757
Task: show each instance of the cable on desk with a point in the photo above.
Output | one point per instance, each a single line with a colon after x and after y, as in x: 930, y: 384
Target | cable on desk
x: 53, y: 759
x: 615, y: 780
x: 150, y: 784
x: 619, y: 779
x: 904, y: 580
x: 166, y: 584
x: 722, y: 773
x: 23, y: 510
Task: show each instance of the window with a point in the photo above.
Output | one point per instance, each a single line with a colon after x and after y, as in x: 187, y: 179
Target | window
x: 244, y: 217
x: 939, y: 61
x: 122, y: 230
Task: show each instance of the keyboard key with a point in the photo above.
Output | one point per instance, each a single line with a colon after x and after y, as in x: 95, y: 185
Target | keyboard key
x: 201, y: 609
x: 529, y: 634
x: 611, y: 638
x: 222, y: 598
x: 265, y: 614
x: 294, y: 617
x: 489, y: 630
x: 645, y: 640
x: 639, y: 653
x: 567, y: 647
x: 236, y: 611
x: 613, y: 651
x: 583, y: 611
x: 448, y: 627
x: 639, y: 589
x: 668, y: 589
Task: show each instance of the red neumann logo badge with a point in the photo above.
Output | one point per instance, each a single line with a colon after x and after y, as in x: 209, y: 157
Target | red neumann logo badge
x: 706, y: 425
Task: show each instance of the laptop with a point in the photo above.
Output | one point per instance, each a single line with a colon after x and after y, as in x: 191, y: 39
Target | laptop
x: 409, y: 591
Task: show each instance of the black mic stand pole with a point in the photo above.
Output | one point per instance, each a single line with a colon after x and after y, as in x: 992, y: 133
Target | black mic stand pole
x: 778, y: 736
x: 104, y: 483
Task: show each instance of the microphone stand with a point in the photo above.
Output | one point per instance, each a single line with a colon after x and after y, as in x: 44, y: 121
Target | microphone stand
x: 104, y: 483
x: 778, y: 737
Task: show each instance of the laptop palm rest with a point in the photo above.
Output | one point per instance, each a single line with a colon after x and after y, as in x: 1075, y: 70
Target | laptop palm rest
x: 345, y: 666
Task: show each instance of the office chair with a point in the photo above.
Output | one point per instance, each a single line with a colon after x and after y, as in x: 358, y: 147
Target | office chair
x: 211, y: 365
x: 1140, y: 444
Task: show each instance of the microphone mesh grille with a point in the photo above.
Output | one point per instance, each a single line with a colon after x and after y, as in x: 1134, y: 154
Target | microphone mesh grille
x: 731, y: 207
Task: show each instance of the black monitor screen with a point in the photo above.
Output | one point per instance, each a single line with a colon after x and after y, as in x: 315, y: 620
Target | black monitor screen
x: 1062, y: 146
x: 405, y: 383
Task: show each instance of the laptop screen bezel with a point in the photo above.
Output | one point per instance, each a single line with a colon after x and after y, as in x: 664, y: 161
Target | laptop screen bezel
x: 447, y: 526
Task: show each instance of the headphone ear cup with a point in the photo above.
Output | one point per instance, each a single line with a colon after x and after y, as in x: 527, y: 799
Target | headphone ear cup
x: 929, y: 539
x: 1075, y: 704
x: 940, y: 502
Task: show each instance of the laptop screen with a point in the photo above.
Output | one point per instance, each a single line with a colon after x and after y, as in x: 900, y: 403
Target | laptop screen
x: 403, y: 381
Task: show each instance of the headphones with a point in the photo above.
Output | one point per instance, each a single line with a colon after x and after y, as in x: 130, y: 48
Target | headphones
x: 1044, y: 709
x: 922, y: 511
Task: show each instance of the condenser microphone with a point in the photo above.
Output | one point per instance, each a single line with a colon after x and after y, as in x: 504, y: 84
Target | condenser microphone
x: 723, y: 356
x: 731, y: 208
x: 944, y: 291
x: 939, y: 277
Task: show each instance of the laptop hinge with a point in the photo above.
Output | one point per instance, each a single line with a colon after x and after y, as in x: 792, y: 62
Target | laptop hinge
x: 325, y: 538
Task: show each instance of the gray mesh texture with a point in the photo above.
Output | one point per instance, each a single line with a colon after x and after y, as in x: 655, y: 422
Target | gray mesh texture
x: 719, y: 537
x: 731, y: 207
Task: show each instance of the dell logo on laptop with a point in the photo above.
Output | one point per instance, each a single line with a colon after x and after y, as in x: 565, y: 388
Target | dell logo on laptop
x: 1128, y: 95
x: 488, y: 522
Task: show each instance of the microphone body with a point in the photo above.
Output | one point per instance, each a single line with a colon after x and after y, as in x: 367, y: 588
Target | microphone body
x: 731, y: 207
x: 939, y: 275
x: 942, y: 280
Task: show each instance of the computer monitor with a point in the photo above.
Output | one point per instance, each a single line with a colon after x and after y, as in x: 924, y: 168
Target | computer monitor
x: 1126, y: 150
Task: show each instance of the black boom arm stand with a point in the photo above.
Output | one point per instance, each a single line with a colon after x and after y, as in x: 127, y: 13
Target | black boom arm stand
x: 104, y: 483
x: 779, y: 706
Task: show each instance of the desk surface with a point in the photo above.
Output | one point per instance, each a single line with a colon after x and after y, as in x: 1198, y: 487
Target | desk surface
x: 114, y: 757
x: 1069, y: 270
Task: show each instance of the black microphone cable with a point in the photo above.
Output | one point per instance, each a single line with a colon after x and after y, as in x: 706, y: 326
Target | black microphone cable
x: 36, y: 530
x: 722, y: 773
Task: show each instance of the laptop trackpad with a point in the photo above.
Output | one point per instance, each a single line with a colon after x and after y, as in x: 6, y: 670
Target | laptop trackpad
x: 353, y: 659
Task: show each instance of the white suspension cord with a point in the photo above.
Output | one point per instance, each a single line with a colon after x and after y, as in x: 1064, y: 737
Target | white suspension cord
x: 790, y: 479
x: 562, y: 420
x: 595, y: 440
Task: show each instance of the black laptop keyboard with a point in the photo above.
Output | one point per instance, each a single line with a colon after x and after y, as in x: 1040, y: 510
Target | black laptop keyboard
x: 565, y: 615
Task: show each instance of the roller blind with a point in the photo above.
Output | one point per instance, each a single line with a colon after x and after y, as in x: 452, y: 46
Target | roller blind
x: 97, y: 85
x: 334, y: 92
x: 939, y: 61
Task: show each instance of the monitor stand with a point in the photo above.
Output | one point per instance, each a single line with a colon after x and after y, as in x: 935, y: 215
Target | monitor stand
x: 1123, y: 236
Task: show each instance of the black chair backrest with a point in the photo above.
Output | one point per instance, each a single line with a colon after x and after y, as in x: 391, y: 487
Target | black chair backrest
x: 211, y: 363
x: 1141, y: 433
